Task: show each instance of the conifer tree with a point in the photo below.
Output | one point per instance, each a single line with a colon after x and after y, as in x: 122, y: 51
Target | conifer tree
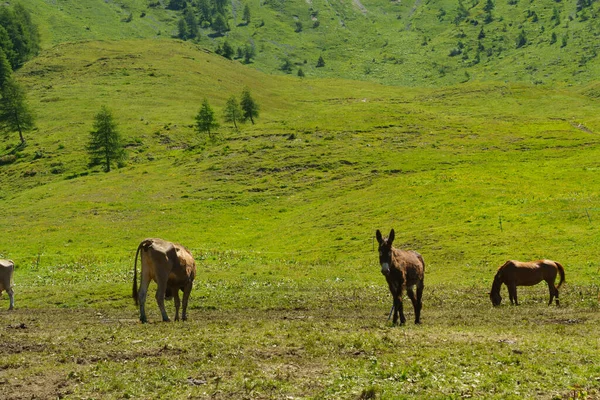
x: 205, y: 119
x: 5, y: 69
x: 15, y: 115
x: 232, y: 112
x: 105, y: 146
x: 246, y: 15
x: 249, y: 106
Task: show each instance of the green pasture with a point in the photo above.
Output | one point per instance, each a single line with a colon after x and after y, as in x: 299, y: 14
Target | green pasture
x: 289, y: 301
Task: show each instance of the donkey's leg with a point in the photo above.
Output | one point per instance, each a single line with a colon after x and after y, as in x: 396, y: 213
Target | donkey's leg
x: 399, y: 309
x: 415, y: 303
x: 420, y: 287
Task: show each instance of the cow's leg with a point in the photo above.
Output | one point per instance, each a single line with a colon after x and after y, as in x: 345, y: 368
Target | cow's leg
x: 160, y: 297
x: 175, y: 293
x: 187, y: 290
x: 11, y: 296
x: 143, y: 292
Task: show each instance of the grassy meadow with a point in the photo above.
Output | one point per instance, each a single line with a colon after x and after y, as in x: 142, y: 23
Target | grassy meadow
x: 281, y: 215
x: 289, y: 301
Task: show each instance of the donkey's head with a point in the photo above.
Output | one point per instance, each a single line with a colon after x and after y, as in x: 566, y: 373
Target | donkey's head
x: 385, y: 251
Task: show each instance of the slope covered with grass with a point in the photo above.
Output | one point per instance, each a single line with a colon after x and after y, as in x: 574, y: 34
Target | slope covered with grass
x: 412, y: 42
x: 468, y: 175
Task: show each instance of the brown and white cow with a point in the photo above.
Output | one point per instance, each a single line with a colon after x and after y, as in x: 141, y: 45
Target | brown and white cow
x: 6, y: 276
x: 172, y: 267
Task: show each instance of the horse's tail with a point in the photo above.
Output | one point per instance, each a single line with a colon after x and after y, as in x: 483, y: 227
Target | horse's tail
x: 134, y: 292
x: 561, y: 272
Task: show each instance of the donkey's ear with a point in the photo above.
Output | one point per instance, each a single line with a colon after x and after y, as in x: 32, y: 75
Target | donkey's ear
x: 378, y: 236
x: 391, y: 237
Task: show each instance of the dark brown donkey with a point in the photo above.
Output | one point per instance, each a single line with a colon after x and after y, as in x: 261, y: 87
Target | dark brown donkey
x: 401, y: 269
x: 517, y: 273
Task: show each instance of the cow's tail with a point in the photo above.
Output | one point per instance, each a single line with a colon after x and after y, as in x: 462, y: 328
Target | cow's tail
x: 135, y: 287
x: 561, y: 272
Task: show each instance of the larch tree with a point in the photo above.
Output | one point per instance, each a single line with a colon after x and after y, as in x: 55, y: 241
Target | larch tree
x: 15, y: 115
x: 249, y: 106
x: 105, y: 146
x: 205, y: 120
x: 232, y: 112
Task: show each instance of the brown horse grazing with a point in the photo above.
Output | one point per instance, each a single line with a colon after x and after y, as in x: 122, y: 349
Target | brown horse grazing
x: 517, y: 273
x: 401, y: 269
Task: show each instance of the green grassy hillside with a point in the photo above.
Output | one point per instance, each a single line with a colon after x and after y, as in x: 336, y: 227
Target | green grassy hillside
x: 288, y: 300
x: 402, y: 43
x: 468, y: 175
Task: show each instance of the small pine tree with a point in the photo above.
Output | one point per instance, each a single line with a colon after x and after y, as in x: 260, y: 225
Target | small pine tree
x: 227, y: 51
x: 249, y: 106
x: 182, y: 29
x: 205, y: 119
x: 246, y: 15
x: 521, y: 39
x: 191, y: 22
x: 320, y: 62
x: 248, y: 53
x: 553, y: 38
x: 555, y: 16
x: 300, y: 73
x: 220, y: 24
x: 232, y: 112
x: 5, y: 69
x: 105, y: 145
x: 481, y: 34
x: 15, y: 115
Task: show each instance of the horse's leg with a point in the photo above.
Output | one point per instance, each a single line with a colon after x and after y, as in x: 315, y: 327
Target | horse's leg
x: 512, y: 293
x: 552, y: 290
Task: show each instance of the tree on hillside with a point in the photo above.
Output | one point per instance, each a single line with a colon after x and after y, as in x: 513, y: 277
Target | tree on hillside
x: 461, y: 13
x: 176, y: 4
x: 320, y: 62
x: 15, y: 115
x: 249, y: 106
x: 205, y: 11
x: 191, y: 23
x: 105, y: 145
x: 232, y: 112
x: 22, y: 32
x: 5, y: 69
x: 221, y: 6
x: 249, y: 53
x: 205, y: 119
x: 521, y: 39
x: 220, y: 24
x: 246, y: 14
